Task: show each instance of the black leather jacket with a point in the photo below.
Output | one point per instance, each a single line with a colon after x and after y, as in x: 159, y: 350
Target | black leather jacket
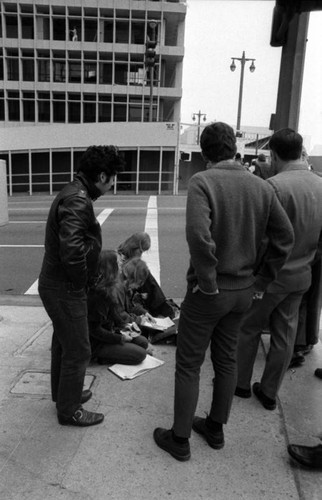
x: 73, y: 238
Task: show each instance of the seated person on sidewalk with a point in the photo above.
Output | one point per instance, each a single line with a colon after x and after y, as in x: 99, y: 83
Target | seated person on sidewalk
x: 112, y: 341
x: 150, y: 293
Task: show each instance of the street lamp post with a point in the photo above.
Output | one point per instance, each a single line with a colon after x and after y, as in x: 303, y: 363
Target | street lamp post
x: 199, y: 115
x: 242, y: 60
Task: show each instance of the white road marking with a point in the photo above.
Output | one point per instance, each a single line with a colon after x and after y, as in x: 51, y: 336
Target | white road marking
x: 152, y: 257
x: 33, y: 290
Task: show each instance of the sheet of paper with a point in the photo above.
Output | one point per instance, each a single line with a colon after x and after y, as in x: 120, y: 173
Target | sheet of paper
x: 128, y: 372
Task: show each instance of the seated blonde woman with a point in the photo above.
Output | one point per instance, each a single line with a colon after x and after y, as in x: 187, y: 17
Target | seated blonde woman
x: 149, y: 293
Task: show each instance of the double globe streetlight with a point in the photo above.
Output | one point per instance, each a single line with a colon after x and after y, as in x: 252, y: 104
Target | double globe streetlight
x: 243, y: 61
x: 199, y: 115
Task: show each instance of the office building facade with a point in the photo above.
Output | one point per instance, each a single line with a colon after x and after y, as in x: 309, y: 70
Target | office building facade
x: 75, y: 73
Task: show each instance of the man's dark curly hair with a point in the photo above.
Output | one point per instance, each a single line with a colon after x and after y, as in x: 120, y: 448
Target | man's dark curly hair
x: 97, y: 159
x: 287, y: 144
x: 218, y: 142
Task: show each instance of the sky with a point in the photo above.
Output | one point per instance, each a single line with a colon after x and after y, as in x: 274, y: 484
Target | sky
x: 218, y: 30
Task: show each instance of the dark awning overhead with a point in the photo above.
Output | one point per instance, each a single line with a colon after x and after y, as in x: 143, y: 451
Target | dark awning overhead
x: 259, y: 144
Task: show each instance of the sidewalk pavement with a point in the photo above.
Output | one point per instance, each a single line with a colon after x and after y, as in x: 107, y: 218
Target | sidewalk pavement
x: 118, y: 460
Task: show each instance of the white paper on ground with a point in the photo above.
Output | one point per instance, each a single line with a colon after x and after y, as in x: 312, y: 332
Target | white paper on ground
x: 160, y: 323
x: 128, y: 372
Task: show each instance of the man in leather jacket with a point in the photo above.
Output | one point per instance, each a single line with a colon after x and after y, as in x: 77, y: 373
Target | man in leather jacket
x: 72, y: 246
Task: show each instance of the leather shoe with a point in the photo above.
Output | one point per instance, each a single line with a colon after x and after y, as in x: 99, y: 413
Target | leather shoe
x: 268, y: 403
x: 214, y: 439
x: 318, y: 372
x: 86, y: 396
x: 310, y: 456
x: 81, y: 418
x: 164, y: 439
x: 243, y: 393
x: 297, y: 360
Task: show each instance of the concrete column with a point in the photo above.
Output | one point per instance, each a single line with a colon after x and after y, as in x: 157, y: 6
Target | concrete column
x: 4, y: 219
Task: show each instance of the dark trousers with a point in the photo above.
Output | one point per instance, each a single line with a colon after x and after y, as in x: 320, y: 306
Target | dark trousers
x: 280, y: 310
x: 129, y: 353
x: 70, y: 350
x: 310, y: 309
x: 207, y: 319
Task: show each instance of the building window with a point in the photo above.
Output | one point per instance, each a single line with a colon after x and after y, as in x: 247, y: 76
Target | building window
x: 90, y: 68
x: 1, y: 105
x: 59, y: 28
x: 108, y: 31
x: 121, y: 70
x: 28, y: 70
x: 12, y: 65
x: 1, y: 64
x: 135, y: 110
x: 43, y: 28
x: 28, y: 103
x: 43, y: 107
x: 13, y: 105
x: 74, y: 108
x: 137, y: 32
x: 104, y: 108
x: 74, y: 67
x: 59, y: 109
x: 27, y: 27
x: 11, y: 26
x: 119, y: 108
x: 43, y: 66
x: 90, y: 30
x: 122, y: 31
x: 105, y: 71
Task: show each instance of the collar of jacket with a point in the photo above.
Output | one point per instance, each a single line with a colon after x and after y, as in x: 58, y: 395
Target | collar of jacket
x: 92, y: 190
x: 227, y: 165
x: 294, y: 166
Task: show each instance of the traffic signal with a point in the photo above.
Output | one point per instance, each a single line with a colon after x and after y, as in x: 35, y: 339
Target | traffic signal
x: 150, y: 53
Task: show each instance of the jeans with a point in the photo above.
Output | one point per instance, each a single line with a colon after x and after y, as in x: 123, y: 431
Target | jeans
x: 207, y: 319
x: 70, y: 350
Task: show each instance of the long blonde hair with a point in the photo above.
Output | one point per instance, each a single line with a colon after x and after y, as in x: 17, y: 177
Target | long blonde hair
x: 137, y: 241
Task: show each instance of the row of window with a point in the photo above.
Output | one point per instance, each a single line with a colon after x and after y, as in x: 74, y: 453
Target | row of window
x: 74, y: 69
x: 76, y: 29
x: 77, y: 108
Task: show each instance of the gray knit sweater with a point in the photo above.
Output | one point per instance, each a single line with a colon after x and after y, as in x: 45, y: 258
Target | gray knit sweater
x: 230, y: 214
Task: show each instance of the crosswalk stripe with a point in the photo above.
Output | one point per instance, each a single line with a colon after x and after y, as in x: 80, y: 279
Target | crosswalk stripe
x: 152, y: 257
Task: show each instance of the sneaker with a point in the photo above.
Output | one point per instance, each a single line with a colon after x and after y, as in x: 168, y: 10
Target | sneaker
x: 214, y: 439
x: 243, y: 393
x: 268, y: 403
x: 164, y: 439
x: 82, y: 418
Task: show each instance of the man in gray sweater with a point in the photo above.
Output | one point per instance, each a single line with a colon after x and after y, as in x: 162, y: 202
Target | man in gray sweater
x: 230, y: 213
x: 300, y: 193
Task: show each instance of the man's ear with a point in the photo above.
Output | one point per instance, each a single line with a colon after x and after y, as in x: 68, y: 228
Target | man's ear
x: 103, y: 178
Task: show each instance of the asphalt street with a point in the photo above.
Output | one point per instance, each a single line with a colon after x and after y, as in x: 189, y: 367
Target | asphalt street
x: 21, y: 241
